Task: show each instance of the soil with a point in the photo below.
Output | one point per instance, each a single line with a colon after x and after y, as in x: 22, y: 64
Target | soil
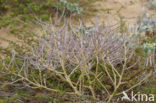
x: 4, y: 36
x: 112, y: 10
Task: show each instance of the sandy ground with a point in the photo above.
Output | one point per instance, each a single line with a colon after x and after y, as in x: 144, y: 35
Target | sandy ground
x: 112, y: 10
x: 4, y: 36
x: 108, y: 10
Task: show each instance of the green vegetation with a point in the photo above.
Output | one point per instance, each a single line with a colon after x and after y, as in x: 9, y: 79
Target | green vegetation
x: 39, y: 8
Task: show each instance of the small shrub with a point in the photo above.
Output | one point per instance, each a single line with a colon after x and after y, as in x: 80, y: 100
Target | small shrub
x: 151, y: 4
x: 147, y: 30
x: 93, y: 63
